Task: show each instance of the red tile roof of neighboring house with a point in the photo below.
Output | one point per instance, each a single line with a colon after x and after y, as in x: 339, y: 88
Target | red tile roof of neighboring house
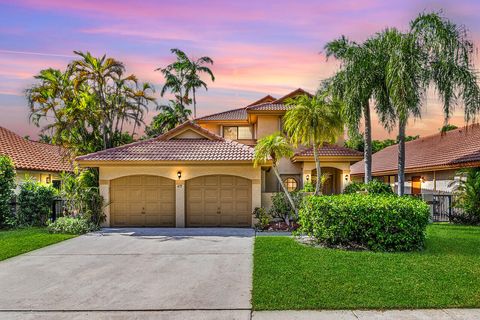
x: 169, y: 148
x: 32, y: 155
x: 292, y: 94
x: 456, y: 148
x: 330, y: 150
x: 265, y: 99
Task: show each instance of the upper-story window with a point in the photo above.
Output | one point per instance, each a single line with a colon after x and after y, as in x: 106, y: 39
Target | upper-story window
x: 236, y: 133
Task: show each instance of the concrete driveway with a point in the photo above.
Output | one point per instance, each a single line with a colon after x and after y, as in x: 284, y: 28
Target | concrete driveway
x: 142, y: 271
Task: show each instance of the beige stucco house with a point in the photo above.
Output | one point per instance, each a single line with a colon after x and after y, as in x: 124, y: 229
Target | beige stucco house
x: 40, y: 161
x: 201, y: 173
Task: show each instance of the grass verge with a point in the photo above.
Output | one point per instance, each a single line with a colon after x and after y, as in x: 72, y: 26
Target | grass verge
x: 18, y: 241
x: 288, y: 275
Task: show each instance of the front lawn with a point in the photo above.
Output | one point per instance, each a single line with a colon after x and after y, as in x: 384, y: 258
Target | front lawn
x: 288, y: 275
x: 15, y: 242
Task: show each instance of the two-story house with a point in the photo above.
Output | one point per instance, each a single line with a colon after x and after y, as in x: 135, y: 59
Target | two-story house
x: 201, y: 172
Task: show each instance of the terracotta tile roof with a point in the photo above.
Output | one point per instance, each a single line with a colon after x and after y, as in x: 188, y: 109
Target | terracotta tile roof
x: 31, y: 155
x: 265, y: 99
x: 456, y: 148
x: 169, y: 148
x: 330, y: 150
x: 235, y: 114
x: 269, y: 107
x: 292, y: 94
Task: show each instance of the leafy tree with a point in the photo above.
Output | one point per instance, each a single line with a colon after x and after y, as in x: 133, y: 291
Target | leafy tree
x: 169, y: 117
x: 356, y: 142
x: 7, y: 185
x: 274, y: 147
x: 183, y: 77
x: 312, y: 122
x: 86, y: 107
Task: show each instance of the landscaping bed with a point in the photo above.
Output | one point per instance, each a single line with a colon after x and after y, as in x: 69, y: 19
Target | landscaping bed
x: 18, y: 241
x: 289, y: 275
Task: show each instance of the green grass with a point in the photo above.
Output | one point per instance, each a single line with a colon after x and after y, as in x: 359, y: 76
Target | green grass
x: 18, y: 241
x: 288, y: 275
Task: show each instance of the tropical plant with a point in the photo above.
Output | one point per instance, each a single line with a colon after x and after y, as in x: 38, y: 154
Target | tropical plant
x: 314, y: 121
x: 71, y: 225
x: 183, y: 77
x: 7, y: 185
x: 262, y: 218
x: 448, y: 127
x: 34, y: 203
x: 372, y: 187
x: 168, y: 118
x: 86, y: 107
x: 467, y: 197
x: 274, y: 147
x: 282, y: 209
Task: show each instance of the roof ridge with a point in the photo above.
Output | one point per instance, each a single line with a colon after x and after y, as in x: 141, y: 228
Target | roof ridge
x: 222, y: 112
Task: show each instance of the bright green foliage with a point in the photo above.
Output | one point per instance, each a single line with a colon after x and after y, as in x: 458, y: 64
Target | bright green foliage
x: 290, y: 276
x: 34, y: 203
x: 312, y: 122
x: 308, y: 187
x: 378, y: 223
x: 468, y: 197
x: 448, y: 127
x: 71, y: 225
x: 281, y: 207
x: 356, y: 142
x: 18, y: 241
x: 82, y: 198
x: 169, y: 117
x: 372, y: 187
x: 7, y: 185
x: 263, y: 218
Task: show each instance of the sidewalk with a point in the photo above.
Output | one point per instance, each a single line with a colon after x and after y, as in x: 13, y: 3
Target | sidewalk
x: 427, y: 314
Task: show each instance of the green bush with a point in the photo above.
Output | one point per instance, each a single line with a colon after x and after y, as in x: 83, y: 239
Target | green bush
x: 7, y: 185
x: 376, y: 222
x: 34, y: 203
x: 281, y: 207
x: 373, y: 187
x: 70, y: 225
x: 263, y: 219
x: 308, y: 187
x: 467, y: 196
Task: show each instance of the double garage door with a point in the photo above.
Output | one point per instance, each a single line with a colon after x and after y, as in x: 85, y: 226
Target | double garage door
x: 149, y: 201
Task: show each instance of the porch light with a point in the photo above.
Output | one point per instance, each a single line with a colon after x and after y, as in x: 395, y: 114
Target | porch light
x: 307, y: 177
x: 47, y: 180
x: 346, y: 177
x: 179, y: 174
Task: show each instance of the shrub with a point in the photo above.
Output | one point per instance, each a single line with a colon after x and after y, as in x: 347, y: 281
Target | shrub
x: 34, y: 203
x: 82, y: 197
x: 468, y: 198
x: 263, y: 219
x: 281, y: 207
x: 372, y: 187
x: 308, y: 187
x: 7, y: 184
x: 376, y: 222
x: 70, y: 225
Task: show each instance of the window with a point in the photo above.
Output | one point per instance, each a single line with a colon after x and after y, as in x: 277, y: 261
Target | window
x: 235, y: 133
x: 291, y: 184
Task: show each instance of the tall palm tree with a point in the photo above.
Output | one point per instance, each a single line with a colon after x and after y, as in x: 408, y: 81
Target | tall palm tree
x: 359, y: 80
x: 434, y: 52
x: 312, y: 122
x: 274, y: 147
x: 143, y: 96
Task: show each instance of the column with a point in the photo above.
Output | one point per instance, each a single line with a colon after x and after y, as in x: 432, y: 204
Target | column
x: 346, y: 179
x: 104, y: 189
x: 307, y: 173
x: 180, y: 203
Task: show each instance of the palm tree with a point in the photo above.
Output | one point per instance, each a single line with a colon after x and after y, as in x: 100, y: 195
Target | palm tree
x: 312, y: 122
x: 169, y: 117
x: 359, y: 80
x: 274, y: 147
x: 143, y: 96
x: 434, y: 52
x: 183, y: 76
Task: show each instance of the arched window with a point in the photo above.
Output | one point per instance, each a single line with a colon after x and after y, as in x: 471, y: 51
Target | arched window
x: 291, y: 184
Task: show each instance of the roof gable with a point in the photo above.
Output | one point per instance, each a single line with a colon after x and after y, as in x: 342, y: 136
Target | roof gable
x: 189, y: 130
x: 265, y: 99
x: 293, y: 94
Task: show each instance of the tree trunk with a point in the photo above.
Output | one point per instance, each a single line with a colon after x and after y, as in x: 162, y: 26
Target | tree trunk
x: 401, y: 157
x: 194, y: 104
x: 367, y: 143
x: 289, y: 197
x: 318, y: 184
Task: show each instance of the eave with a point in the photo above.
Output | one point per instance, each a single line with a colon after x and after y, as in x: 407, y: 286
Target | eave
x: 425, y: 169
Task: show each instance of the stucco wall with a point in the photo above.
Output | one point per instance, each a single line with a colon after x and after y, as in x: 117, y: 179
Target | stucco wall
x: 267, y: 125
x: 108, y: 173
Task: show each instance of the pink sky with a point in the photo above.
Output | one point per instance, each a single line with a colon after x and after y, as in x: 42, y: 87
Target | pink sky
x: 259, y: 47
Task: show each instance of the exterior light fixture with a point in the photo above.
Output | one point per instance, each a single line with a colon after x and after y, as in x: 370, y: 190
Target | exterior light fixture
x: 179, y: 174
x: 346, y: 177
x: 47, y: 180
x: 307, y: 177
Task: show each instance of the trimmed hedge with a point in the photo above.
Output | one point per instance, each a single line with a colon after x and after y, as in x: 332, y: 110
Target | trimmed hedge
x: 70, y: 225
x: 376, y: 222
x: 372, y: 187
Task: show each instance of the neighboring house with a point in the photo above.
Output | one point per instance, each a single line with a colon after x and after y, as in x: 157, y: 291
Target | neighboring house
x: 432, y: 162
x: 41, y: 161
x: 201, y: 174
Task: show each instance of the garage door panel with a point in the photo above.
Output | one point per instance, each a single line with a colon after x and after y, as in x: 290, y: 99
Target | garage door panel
x: 143, y: 201
x: 218, y: 201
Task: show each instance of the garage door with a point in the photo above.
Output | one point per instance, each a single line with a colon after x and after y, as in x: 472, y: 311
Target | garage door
x: 214, y: 201
x: 143, y: 201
